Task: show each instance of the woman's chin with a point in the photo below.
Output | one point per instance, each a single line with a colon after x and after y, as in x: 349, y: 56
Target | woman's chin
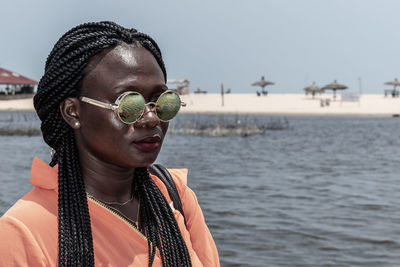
x: 144, y: 162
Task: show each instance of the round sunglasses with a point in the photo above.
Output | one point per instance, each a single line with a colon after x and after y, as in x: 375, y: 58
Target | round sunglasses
x: 130, y: 106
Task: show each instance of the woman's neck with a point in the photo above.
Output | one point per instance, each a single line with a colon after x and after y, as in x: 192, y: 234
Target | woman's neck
x: 106, y: 181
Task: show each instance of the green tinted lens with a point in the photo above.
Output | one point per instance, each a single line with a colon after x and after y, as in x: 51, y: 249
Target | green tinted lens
x: 131, y: 107
x: 168, y: 105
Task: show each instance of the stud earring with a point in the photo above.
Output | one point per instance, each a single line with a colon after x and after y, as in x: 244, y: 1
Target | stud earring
x: 77, y: 125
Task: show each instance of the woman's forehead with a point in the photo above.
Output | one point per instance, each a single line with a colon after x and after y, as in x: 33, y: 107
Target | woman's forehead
x: 124, y: 56
x: 123, y: 64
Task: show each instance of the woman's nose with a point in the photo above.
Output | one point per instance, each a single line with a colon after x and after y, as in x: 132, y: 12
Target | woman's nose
x: 149, y: 118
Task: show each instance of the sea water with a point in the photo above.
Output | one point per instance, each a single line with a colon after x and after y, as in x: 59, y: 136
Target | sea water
x: 324, y: 191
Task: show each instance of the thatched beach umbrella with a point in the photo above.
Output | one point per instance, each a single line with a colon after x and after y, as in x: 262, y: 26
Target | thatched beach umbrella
x: 262, y: 83
x: 313, y: 89
x: 335, y: 86
x: 395, y: 83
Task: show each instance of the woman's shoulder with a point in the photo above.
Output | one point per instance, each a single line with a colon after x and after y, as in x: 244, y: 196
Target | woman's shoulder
x: 180, y: 177
x: 31, y: 224
x: 200, y: 236
x: 34, y: 210
x: 187, y: 196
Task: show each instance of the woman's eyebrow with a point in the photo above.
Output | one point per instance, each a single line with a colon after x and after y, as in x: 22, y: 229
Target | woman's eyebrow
x: 121, y: 89
x: 162, y: 86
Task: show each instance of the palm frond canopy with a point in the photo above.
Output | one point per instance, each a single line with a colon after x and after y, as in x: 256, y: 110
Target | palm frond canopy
x: 335, y: 86
x: 262, y: 82
x: 394, y: 83
x: 313, y: 88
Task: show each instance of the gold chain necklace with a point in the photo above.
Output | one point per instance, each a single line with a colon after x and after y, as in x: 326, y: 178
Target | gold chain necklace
x: 135, y: 223
x: 111, y: 203
x: 118, y: 212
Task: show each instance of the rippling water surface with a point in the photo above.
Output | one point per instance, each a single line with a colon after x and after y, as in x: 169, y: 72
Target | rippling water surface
x: 323, y: 192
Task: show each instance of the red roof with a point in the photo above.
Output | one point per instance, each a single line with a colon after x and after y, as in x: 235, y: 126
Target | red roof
x: 10, y: 77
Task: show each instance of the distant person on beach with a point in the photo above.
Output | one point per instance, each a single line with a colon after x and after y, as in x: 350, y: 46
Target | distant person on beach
x: 104, y: 108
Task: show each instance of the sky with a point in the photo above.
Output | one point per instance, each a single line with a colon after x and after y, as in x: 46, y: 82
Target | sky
x: 291, y: 42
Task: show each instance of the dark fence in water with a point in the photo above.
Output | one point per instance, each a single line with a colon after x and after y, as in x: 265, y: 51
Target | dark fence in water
x: 19, y: 123
x: 27, y: 123
x: 225, y: 125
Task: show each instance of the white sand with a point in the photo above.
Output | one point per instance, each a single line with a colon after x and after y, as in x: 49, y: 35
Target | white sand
x: 295, y: 104
x: 19, y: 104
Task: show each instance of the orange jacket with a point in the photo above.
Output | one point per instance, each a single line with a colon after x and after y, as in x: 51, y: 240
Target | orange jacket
x: 29, y: 233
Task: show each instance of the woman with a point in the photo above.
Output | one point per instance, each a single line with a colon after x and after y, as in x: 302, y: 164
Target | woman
x: 104, y: 108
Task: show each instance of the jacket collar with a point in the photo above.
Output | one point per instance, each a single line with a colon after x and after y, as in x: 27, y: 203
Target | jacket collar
x: 44, y: 176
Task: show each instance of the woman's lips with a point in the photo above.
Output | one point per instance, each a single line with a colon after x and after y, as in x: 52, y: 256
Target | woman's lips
x: 148, y: 144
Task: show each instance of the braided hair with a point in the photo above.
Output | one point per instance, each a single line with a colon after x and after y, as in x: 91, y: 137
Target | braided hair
x: 64, y: 71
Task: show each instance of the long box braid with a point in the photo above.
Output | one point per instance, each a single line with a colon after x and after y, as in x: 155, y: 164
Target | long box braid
x: 64, y: 70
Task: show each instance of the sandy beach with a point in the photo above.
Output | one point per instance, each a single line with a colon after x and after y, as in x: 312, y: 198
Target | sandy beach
x: 18, y: 104
x: 289, y: 104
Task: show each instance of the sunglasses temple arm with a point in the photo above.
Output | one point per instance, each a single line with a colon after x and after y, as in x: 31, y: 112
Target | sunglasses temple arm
x: 183, y: 104
x: 98, y: 103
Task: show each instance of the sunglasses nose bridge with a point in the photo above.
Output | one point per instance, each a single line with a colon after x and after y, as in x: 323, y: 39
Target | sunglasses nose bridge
x: 149, y: 116
x: 150, y: 108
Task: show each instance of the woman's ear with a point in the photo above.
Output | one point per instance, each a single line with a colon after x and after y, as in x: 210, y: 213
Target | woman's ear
x: 69, y: 109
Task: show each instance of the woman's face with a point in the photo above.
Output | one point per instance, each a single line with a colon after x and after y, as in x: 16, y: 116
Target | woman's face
x: 102, y: 136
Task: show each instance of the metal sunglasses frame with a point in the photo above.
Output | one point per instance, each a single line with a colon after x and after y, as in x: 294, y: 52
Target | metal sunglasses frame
x: 114, y: 106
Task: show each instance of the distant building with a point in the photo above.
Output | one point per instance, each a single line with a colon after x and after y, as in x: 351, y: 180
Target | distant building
x: 198, y: 91
x: 180, y: 86
x: 12, y: 83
